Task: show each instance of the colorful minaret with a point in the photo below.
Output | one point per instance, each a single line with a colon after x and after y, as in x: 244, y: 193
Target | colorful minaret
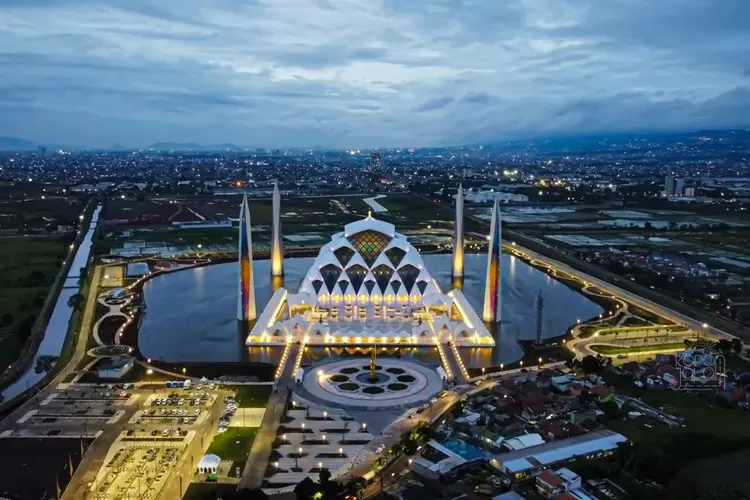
x: 246, y: 297
x: 277, y: 245
x: 458, y: 236
x: 492, y: 291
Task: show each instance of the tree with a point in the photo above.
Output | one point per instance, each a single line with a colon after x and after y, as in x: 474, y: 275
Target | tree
x: 324, y: 477
x: 305, y: 489
x: 648, y: 226
x: 356, y: 486
x: 590, y: 364
x: 75, y: 301
x: 610, y: 409
x: 724, y: 346
x: 737, y: 345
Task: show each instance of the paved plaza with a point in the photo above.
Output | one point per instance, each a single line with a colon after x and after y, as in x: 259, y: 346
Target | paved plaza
x: 312, y: 437
x: 348, y: 383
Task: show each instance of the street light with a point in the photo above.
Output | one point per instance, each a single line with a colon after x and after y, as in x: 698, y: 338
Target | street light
x: 341, y: 452
x: 324, y: 438
x: 283, y: 437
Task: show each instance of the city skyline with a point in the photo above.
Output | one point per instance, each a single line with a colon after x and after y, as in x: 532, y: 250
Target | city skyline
x: 298, y: 74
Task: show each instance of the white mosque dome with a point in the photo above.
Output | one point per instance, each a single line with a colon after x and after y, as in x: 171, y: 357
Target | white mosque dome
x: 369, y: 260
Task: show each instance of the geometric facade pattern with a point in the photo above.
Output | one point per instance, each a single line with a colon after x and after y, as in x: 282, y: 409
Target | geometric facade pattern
x: 369, y: 285
x: 369, y: 244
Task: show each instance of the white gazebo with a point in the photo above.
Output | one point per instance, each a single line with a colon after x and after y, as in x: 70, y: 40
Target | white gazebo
x: 209, y: 464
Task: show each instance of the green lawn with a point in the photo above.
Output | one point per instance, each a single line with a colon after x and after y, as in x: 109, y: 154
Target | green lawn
x: 28, y: 268
x: 610, y: 350
x: 253, y: 396
x: 234, y: 444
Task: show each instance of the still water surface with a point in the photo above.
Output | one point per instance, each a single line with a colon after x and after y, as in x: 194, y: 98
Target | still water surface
x: 190, y: 314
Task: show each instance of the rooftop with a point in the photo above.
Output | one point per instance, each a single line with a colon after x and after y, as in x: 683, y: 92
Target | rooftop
x: 557, y: 451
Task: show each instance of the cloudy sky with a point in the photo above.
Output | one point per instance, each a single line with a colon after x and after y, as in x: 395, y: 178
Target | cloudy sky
x: 367, y: 73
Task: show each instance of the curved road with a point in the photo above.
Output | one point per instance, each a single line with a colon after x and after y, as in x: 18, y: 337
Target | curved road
x: 619, y: 293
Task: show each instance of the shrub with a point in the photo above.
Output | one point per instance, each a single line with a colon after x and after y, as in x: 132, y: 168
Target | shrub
x: 339, y: 378
x: 349, y: 386
x: 373, y: 390
x: 405, y: 378
x: 397, y: 387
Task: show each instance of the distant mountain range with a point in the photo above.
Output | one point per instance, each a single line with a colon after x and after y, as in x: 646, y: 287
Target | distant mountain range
x: 16, y: 144
x: 193, y: 146
x: 558, y: 144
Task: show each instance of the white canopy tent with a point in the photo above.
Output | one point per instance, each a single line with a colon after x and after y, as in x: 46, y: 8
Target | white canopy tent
x: 209, y: 464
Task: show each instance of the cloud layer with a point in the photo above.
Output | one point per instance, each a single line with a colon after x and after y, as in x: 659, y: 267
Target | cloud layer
x: 367, y: 73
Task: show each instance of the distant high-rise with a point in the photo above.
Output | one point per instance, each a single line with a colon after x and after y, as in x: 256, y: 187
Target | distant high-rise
x: 376, y: 163
x: 679, y: 187
x: 669, y: 185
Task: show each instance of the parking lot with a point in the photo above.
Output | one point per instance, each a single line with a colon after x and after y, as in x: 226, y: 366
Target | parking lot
x: 174, y: 407
x: 137, y: 471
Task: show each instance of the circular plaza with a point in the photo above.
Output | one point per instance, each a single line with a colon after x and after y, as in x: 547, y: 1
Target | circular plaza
x: 389, y: 383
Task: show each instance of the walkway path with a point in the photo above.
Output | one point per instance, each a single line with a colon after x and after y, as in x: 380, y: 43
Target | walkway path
x: 260, y: 452
x: 374, y: 205
x: 453, y: 356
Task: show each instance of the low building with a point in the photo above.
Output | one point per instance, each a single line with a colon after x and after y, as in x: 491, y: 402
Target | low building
x: 551, y: 484
x: 137, y: 270
x: 114, y: 368
x: 435, y: 460
x: 522, y: 442
x: 524, y: 464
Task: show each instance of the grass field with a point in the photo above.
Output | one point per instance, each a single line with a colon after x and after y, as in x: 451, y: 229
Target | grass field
x: 253, y: 396
x: 234, y: 444
x: 148, y: 220
x: 32, y: 215
x: 701, y: 413
x: 610, y: 350
x: 28, y: 268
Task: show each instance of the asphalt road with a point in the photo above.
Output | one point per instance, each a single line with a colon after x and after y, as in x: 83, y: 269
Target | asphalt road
x: 623, y: 294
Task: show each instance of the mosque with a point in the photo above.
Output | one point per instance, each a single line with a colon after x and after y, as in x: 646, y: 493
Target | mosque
x: 367, y: 286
